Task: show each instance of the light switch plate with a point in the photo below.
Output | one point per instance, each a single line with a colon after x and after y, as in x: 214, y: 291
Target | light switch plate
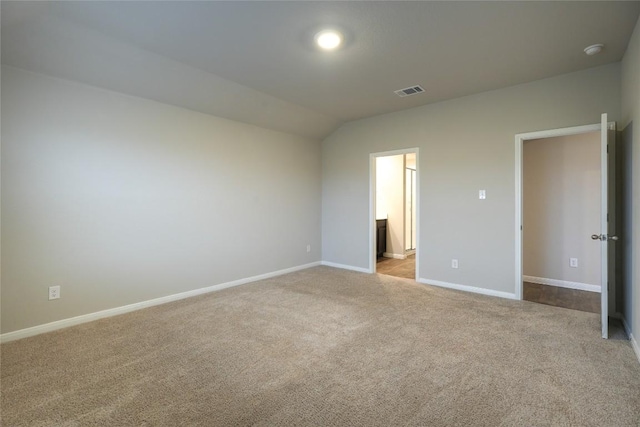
x: 482, y: 194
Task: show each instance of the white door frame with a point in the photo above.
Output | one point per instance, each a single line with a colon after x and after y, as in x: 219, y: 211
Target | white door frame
x: 520, y: 139
x: 372, y: 204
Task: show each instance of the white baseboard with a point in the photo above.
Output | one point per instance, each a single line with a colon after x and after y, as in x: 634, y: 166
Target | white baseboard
x: 634, y: 343
x: 562, y: 283
x: 635, y: 346
x: 466, y: 288
x: 345, y: 267
x: 59, y: 324
x: 625, y: 325
x: 394, y: 256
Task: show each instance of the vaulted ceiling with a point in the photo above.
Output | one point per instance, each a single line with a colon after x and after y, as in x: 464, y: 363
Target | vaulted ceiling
x: 255, y: 61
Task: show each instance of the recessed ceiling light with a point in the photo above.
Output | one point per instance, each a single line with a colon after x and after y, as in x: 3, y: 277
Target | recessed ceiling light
x: 328, y: 39
x: 593, y: 49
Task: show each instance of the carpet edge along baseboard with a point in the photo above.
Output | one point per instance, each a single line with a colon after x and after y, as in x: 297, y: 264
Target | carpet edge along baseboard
x: 90, y: 317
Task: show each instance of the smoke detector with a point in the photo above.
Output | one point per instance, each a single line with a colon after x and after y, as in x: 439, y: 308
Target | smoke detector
x: 408, y: 91
x: 593, y: 49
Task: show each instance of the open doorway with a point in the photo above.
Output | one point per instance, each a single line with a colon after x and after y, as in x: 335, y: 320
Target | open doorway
x: 600, y: 236
x: 561, y: 209
x: 394, y: 212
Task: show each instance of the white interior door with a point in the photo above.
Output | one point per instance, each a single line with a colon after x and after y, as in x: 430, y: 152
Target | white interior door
x: 604, y: 237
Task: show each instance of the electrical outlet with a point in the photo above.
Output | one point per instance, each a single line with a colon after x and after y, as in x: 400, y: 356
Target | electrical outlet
x: 482, y: 194
x: 454, y: 263
x: 54, y: 292
x: 573, y: 262
x: 308, y: 248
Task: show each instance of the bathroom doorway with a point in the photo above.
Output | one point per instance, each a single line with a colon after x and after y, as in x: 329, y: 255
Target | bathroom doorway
x: 394, y: 212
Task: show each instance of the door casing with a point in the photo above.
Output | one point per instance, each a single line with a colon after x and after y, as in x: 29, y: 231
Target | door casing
x: 519, y: 141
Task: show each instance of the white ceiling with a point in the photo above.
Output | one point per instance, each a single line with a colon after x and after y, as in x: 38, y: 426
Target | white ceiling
x: 254, y: 61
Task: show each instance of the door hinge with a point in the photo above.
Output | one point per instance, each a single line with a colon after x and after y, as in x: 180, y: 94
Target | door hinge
x: 607, y: 148
x: 607, y: 217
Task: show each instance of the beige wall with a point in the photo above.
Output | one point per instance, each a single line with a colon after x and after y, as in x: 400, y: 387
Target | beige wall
x: 466, y: 144
x: 390, y: 200
x: 561, y: 208
x: 629, y: 154
x: 120, y: 199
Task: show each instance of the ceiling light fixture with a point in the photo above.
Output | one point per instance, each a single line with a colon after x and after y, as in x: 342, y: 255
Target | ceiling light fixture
x: 328, y: 39
x: 593, y: 49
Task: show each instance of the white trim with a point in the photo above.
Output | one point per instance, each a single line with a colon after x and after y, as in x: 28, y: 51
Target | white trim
x: 635, y: 346
x: 394, y: 256
x: 346, y: 267
x: 519, y: 141
x: 562, y: 283
x: 372, y: 206
x: 634, y: 343
x: 604, y: 224
x: 552, y: 133
x: 466, y: 288
x: 72, y: 321
x: 518, y: 221
x: 625, y: 325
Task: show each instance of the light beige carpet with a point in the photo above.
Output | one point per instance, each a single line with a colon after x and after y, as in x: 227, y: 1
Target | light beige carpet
x: 326, y: 347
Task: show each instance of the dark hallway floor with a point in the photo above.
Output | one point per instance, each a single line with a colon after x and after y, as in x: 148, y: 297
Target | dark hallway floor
x: 562, y: 297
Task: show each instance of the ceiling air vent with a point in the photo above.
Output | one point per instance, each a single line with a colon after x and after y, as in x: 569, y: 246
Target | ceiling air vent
x: 408, y: 91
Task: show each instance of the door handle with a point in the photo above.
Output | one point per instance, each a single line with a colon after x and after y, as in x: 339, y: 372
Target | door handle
x: 603, y: 237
